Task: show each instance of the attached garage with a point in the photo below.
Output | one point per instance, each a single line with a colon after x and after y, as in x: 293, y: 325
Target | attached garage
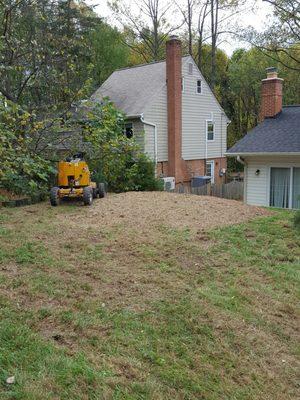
x: 271, y: 151
x: 272, y: 181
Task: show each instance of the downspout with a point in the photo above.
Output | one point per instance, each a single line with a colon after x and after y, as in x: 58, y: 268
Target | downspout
x: 205, y: 159
x: 155, y: 139
x: 221, y: 135
x: 242, y: 161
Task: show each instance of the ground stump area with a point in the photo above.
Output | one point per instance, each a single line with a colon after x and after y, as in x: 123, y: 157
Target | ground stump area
x: 149, y: 295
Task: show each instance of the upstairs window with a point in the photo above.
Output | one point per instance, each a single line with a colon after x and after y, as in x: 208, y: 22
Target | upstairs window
x: 128, y: 130
x: 190, y: 68
x: 182, y: 84
x: 210, y: 130
x: 199, y: 86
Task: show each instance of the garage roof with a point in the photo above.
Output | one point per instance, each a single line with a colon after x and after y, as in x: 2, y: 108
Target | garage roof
x: 280, y: 134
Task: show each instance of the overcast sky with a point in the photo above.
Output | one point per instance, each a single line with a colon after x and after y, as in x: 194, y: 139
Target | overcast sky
x: 257, y: 18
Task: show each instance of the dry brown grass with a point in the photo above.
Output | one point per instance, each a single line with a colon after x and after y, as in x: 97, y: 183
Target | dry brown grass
x: 141, y: 210
x: 146, y: 291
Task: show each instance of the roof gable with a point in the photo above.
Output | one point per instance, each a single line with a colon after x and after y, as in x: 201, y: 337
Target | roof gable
x: 274, y: 135
x: 189, y: 58
x: 133, y: 89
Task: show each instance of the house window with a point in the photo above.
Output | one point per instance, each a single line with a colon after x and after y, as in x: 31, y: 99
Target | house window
x: 199, y: 86
x: 280, y: 187
x: 182, y: 84
x: 285, y: 187
x: 210, y: 130
x: 129, y: 130
x: 210, y: 170
x: 191, y: 68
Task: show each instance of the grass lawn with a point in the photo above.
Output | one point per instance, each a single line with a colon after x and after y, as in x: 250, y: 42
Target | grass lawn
x: 98, y: 312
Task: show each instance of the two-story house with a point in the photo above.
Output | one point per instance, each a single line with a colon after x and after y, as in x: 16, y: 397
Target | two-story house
x: 173, y: 113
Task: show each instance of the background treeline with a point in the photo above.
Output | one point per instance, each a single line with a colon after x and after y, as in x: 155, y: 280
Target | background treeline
x: 55, y: 53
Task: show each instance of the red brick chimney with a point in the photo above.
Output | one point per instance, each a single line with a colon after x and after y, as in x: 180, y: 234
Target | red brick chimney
x: 174, y: 101
x: 271, y: 95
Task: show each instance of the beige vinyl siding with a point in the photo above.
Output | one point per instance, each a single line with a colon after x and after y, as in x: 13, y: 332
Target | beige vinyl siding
x: 138, y: 132
x: 149, y: 141
x: 144, y: 135
x: 196, y: 109
x: 257, y: 187
x: 157, y: 114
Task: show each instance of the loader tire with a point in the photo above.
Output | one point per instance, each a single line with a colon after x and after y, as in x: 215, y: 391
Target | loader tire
x: 54, y: 198
x: 95, y: 193
x: 87, y: 196
x: 101, y: 190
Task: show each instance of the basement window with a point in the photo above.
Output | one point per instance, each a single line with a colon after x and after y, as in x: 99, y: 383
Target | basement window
x: 199, y: 86
x: 210, y: 130
x: 128, y: 130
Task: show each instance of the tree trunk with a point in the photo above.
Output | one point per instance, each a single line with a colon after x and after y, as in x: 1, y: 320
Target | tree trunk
x: 190, y: 15
x: 214, y: 29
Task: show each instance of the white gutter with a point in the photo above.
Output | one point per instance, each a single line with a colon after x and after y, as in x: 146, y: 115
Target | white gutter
x: 240, y: 160
x: 132, y: 116
x: 155, y: 138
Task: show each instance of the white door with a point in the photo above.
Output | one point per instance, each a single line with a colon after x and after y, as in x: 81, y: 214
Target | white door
x: 210, y: 170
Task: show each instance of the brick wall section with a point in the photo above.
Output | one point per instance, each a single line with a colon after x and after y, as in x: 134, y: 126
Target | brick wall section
x: 194, y: 168
x: 219, y: 164
x: 271, y: 97
x: 174, y: 99
x: 182, y: 170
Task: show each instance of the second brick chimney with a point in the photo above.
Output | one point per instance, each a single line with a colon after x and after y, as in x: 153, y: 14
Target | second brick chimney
x: 271, y: 95
x: 174, y: 105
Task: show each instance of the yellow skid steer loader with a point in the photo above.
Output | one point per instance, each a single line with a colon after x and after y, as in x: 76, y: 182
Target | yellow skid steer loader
x: 74, y: 180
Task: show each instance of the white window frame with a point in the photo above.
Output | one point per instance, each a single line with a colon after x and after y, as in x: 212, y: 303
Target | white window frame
x: 199, y: 80
x: 190, y: 68
x: 206, y: 130
x: 212, y: 169
x: 182, y: 84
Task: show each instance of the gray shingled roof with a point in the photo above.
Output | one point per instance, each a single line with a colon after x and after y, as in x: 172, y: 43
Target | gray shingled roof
x: 274, y: 135
x: 131, y: 89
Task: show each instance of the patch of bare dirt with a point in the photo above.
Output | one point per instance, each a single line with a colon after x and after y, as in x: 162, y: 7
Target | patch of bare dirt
x: 131, y: 263
x: 134, y: 263
x: 140, y: 210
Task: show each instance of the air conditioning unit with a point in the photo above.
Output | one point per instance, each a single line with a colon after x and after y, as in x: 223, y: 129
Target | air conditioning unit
x: 169, y: 183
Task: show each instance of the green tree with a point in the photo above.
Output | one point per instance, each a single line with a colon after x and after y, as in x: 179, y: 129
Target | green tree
x: 53, y: 53
x: 280, y: 40
x: 116, y: 159
x: 108, y: 52
x: 242, y: 99
x: 147, y: 29
x: 22, y: 170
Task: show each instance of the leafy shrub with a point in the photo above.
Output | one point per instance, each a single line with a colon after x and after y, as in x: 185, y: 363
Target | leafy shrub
x: 145, y: 175
x: 27, y: 144
x: 116, y: 159
x: 22, y: 170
